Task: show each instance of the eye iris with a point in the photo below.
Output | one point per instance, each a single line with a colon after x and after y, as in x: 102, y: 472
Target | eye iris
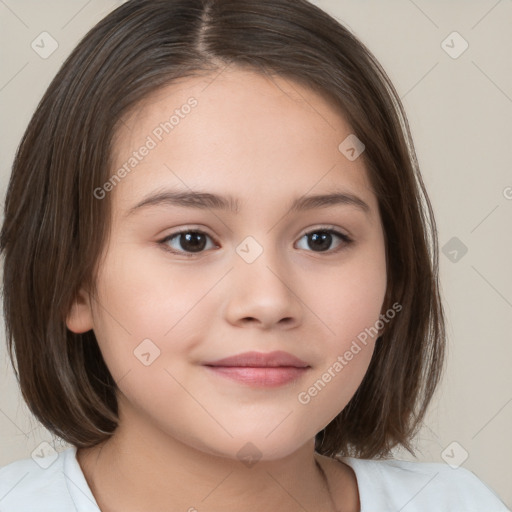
x: 192, y: 242
x: 321, y: 240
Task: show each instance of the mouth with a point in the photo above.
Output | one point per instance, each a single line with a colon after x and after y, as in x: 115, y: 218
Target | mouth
x: 260, y: 369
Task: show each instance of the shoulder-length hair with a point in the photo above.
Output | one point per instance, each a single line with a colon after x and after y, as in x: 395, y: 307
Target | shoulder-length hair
x: 55, y: 228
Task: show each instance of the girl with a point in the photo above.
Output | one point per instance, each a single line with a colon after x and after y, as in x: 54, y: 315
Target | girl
x: 220, y: 277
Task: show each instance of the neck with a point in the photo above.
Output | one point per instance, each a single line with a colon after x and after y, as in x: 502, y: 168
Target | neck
x: 143, y: 468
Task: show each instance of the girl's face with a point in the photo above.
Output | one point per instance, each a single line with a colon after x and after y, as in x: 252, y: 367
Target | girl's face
x: 263, y: 277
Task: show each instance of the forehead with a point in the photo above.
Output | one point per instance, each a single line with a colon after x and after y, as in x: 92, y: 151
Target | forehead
x: 238, y: 133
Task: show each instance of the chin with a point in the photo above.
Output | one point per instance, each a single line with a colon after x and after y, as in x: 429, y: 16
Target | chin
x: 254, y: 447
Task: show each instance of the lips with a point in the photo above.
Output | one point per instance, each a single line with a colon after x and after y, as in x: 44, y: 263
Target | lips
x: 258, y: 369
x: 261, y: 360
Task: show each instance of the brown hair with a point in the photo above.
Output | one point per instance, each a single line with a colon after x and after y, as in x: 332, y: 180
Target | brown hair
x: 54, y: 228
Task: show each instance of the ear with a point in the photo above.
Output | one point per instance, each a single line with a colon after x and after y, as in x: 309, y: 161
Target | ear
x: 79, y: 318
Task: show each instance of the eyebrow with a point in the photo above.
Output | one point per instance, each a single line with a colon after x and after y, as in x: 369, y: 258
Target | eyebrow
x: 207, y: 200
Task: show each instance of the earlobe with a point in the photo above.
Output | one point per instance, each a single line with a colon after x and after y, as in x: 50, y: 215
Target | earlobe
x: 79, y: 318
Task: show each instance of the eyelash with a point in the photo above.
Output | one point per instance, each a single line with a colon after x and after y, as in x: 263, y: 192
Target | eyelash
x: 345, y: 238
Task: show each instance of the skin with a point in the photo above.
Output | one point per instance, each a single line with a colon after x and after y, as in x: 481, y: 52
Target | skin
x: 266, y: 142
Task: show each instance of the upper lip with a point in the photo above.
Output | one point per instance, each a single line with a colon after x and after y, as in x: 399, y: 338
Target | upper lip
x: 260, y: 360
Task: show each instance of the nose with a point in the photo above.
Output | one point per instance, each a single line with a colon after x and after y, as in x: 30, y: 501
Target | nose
x: 263, y: 293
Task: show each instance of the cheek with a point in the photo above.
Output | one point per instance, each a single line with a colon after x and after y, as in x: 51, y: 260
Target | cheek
x: 143, y: 308
x: 148, y: 295
x: 330, y: 389
x: 353, y: 296
x: 350, y: 308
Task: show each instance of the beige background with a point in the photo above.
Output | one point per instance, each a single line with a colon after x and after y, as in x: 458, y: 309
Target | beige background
x: 460, y: 111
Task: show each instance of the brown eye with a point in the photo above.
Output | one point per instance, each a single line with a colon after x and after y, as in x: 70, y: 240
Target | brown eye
x: 321, y: 240
x: 186, y: 242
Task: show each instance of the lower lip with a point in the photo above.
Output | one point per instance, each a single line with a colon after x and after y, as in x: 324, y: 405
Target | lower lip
x: 261, y: 377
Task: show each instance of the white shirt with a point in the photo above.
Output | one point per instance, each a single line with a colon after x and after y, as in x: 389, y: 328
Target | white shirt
x: 59, y: 485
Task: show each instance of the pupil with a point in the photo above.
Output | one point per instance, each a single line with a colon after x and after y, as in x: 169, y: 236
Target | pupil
x: 322, y: 241
x: 194, y: 242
